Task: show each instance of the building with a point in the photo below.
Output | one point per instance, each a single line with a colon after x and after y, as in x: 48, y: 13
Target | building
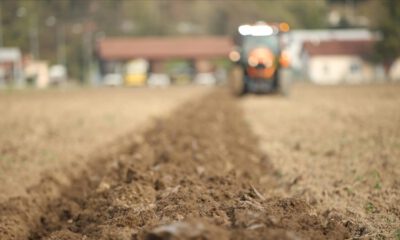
x: 394, y: 71
x: 114, y: 54
x: 340, y: 61
x: 36, y: 73
x: 11, y: 72
x: 295, y: 39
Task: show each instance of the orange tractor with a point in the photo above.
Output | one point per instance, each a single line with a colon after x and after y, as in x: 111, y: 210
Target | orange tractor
x: 258, y: 59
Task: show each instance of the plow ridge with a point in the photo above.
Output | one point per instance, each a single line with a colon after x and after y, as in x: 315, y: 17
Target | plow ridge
x: 198, y: 174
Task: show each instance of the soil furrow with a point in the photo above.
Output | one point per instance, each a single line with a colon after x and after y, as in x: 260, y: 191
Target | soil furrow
x: 198, y: 174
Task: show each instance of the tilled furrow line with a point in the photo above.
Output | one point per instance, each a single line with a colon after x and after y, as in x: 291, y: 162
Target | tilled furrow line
x: 196, y: 175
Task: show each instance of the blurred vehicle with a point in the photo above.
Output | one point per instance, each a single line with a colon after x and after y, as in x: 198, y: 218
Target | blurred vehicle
x: 57, y: 74
x: 181, y: 78
x: 136, y: 72
x: 220, y: 75
x: 112, y: 79
x: 207, y: 79
x: 258, y: 59
x: 181, y: 75
x: 158, y: 80
x: 204, y: 72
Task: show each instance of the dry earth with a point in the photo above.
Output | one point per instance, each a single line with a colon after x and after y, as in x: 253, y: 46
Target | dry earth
x: 322, y: 164
x: 43, y: 130
x: 338, y: 148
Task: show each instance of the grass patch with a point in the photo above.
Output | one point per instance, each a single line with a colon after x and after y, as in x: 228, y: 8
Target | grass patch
x: 370, y: 208
x: 397, y: 234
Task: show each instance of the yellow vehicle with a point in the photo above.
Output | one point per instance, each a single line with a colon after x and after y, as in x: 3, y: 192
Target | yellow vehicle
x: 136, y: 72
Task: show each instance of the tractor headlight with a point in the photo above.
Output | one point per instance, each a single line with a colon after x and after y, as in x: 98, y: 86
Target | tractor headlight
x: 234, y: 56
x: 253, y: 61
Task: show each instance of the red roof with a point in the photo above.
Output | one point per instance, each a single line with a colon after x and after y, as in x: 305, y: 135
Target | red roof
x: 361, y: 48
x: 163, y: 47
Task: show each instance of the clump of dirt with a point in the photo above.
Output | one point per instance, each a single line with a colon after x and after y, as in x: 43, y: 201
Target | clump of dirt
x: 196, y: 175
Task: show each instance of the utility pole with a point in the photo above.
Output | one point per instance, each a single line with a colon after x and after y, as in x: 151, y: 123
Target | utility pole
x: 87, y: 56
x: 61, y: 57
x: 350, y: 11
x: 34, y: 35
x: 34, y: 41
x: 87, y: 44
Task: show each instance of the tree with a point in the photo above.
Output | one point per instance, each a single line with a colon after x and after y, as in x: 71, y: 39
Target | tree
x: 388, y: 48
x: 36, y: 26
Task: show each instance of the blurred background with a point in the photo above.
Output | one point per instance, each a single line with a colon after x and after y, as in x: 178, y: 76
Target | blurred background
x: 107, y: 71
x: 47, y: 43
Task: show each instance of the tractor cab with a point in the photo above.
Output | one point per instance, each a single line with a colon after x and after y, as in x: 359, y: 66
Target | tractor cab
x: 258, y: 58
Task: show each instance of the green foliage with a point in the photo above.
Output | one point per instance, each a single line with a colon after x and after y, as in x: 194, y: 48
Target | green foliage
x: 309, y: 14
x: 24, y: 21
x: 378, y: 180
x: 397, y: 234
x: 388, y: 48
x: 369, y: 208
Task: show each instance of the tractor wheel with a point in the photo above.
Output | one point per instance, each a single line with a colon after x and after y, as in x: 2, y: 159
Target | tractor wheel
x: 236, y: 81
x: 284, y: 83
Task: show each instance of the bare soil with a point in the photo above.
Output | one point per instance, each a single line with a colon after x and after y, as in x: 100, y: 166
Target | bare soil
x: 337, y: 147
x: 51, y: 130
x: 202, y: 173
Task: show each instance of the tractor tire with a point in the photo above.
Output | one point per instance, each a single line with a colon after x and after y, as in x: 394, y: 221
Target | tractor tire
x: 236, y: 81
x: 284, y: 84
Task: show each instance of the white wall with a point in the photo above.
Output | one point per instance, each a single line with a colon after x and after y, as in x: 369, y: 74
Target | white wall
x: 40, y: 71
x: 394, y: 72
x: 336, y: 69
x: 295, y: 39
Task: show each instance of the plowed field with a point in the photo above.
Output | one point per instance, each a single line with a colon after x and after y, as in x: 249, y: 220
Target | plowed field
x: 260, y: 167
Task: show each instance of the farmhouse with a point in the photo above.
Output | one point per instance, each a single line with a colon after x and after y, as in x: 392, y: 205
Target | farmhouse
x: 344, y: 61
x: 296, y: 38
x: 11, y: 71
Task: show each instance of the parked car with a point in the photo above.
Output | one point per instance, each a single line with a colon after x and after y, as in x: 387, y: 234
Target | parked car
x: 158, y: 80
x: 136, y: 72
x: 205, y: 79
x: 112, y: 79
x: 181, y: 75
x: 57, y: 74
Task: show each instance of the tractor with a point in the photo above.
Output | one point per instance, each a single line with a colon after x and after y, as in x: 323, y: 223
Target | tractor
x: 258, y: 59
